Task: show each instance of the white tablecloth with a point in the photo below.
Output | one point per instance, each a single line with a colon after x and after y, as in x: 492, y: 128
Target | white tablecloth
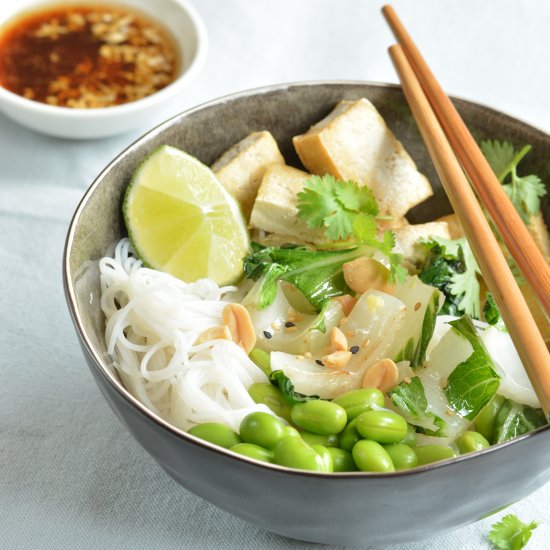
x: 70, y: 474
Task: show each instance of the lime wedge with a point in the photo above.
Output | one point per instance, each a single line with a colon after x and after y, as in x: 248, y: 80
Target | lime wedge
x: 180, y: 219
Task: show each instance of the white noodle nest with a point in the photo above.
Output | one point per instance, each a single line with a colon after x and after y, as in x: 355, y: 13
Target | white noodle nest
x: 152, y: 321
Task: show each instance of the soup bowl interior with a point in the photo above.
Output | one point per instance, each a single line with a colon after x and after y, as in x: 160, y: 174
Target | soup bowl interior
x: 347, y: 508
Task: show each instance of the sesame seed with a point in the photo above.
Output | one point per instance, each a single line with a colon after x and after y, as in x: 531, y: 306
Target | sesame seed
x: 417, y: 306
x: 267, y: 334
x: 289, y: 324
x: 354, y: 349
x: 319, y: 362
x: 366, y: 342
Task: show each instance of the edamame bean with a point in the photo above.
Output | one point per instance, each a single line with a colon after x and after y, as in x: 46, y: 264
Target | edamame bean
x: 402, y: 456
x: 217, y: 433
x: 319, y: 417
x: 271, y: 396
x: 382, y: 426
x: 342, y: 461
x: 325, y: 456
x: 293, y: 452
x: 350, y: 436
x: 290, y: 431
x: 370, y: 456
x: 330, y: 440
x: 427, y: 454
x: 253, y: 451
x: 470, y: 442
x: 262, y: 429
x: 485, y: 420
x: 358, y: 401
x: 262, y: 359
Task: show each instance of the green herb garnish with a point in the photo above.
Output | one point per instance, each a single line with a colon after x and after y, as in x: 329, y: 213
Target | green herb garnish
x: 510, y: 533
x: 452, y: 268
x: 348, y: 213
x: 524, y: 191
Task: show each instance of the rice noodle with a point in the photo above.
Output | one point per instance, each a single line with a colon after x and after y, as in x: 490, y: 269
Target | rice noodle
x: 152, y: 322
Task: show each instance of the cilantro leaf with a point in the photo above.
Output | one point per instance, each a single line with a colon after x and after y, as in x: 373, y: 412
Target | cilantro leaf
x: 317, y: 202
x: 280, y: 380
x: 355, y: 198
x: 500, y: 155
x: 452, y: 268
x: 510, y: 533
x: 347, y: 211
x: 525, y: 191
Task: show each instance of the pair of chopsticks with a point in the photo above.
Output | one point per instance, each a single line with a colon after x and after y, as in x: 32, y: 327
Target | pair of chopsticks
x: 454, y: 153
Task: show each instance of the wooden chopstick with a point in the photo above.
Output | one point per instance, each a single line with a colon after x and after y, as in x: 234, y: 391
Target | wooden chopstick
x: 515, y: 235
x: 494, y: 267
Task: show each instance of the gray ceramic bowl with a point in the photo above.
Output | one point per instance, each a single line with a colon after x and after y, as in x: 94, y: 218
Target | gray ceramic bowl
x: 351, y: 508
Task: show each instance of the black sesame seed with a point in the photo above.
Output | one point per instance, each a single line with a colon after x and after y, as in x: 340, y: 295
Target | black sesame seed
x: 289, y: 324
x: 354, y: 349
x: 319, y: 362
x: 267, y: 334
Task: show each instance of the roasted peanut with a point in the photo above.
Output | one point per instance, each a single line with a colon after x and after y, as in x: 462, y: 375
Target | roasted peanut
x: 347, y: 302
x: 365, y: 273
x: 220, y: 332
x: 337, y: 360
x: 237, y: 318
x: 338, y: 341
x: 382, y: 375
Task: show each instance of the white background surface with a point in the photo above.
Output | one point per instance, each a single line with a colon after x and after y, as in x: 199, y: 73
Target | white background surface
x: 70, y: 475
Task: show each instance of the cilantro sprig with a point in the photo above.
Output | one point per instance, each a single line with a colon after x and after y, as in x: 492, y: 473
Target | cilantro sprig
x: 525, y: 192
x: 510, y: 533
x: 452, y: 268
x: 348, y: 213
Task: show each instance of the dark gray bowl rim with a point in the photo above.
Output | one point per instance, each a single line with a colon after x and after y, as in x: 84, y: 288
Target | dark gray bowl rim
x: 164, y: 424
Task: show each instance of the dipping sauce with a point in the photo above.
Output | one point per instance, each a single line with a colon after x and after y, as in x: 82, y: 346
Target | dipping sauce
x: 86, y: 56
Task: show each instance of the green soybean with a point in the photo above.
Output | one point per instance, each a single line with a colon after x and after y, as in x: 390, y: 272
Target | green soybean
x: 410, y: 438
x: 319, y: 417
x: 402, y: 456
x: 293, y: 452
x: 427, y: 454
x: 262, y: 359
x: 342, y: 461
x: 253, y: 451
x: 382, y: 426
x: 329, y: 440
x: 370, y: 456
x: 349, y: 437
x: 271, y: 396
x: 470, y: 442
x: 358, y: 401
x: 485, y: 420
x: 290, y: 431
x: 262, y: 429
x: 217, y: 433
x: 325, y: 456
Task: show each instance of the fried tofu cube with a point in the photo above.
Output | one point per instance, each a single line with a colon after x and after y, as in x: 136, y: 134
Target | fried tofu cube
x: 353, y: 142
x: 276, y: 206
x: 241, y: 168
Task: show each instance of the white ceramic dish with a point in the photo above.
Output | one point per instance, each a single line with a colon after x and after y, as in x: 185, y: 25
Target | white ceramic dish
x: 178, y: 16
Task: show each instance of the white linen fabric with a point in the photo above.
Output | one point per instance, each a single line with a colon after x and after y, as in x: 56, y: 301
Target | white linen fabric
x: 71, y: 476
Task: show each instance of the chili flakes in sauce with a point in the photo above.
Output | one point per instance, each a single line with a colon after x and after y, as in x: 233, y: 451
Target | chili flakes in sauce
x: 86, y: 56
